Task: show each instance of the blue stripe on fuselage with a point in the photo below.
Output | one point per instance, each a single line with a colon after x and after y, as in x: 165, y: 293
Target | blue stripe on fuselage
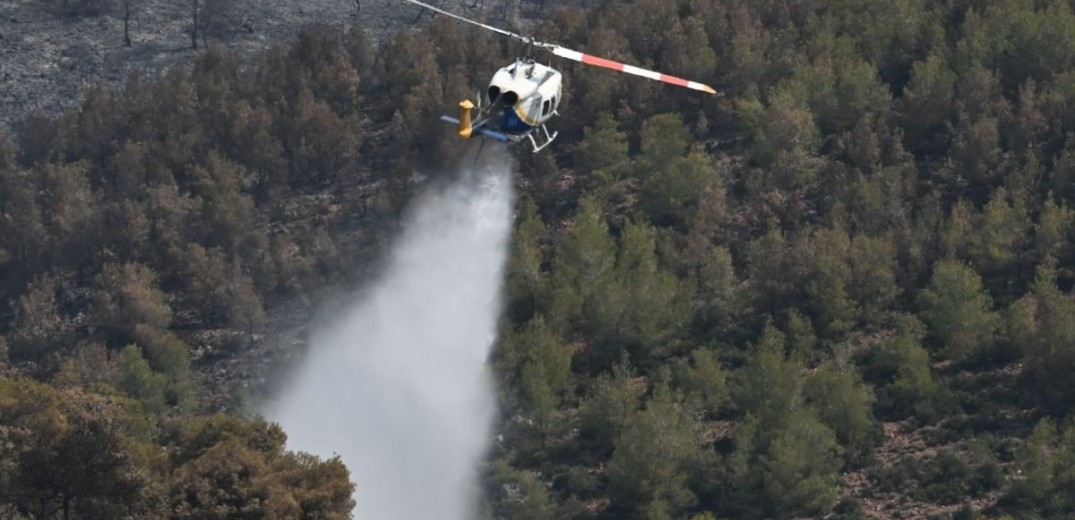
x: 511, y: 123
x: 508, y: 123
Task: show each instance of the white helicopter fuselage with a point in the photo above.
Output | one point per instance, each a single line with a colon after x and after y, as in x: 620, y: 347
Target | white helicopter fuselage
x: 523, y: 96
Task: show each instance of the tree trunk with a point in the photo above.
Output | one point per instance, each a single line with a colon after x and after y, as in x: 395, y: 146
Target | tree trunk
x: 127, y: 22
x: 194, y: 26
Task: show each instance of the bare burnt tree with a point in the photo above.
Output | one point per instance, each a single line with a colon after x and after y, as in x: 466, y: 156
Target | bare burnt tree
x: 195, y: 9
x: 127, y: 22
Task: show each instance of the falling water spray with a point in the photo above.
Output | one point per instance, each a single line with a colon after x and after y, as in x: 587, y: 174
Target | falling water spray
x: 398, y: 387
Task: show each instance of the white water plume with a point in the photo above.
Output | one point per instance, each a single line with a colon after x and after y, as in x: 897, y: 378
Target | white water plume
x: 398, y: 388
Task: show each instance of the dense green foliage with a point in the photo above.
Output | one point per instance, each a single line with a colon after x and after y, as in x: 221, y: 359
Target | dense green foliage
x: 828, y: 272
x: 845, y: 279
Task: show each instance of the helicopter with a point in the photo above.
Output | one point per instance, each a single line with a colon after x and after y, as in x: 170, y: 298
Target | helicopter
x: 524, y: 95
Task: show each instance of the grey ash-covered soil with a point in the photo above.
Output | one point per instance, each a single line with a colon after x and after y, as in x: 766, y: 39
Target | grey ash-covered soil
x: 49, y: 56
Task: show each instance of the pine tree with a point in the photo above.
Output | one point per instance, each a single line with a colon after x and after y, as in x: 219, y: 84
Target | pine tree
x: 705, y: 382
x: 655, y: 455
x: 959, y: 312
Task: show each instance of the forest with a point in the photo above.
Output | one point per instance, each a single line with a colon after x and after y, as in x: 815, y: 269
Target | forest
x: 841, y: 289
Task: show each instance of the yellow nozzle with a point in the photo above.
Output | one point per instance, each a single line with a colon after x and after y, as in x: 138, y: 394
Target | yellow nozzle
x: 465, y: 107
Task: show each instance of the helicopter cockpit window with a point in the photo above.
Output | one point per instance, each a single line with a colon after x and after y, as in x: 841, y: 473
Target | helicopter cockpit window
x: 510, y: 98
x: 545, y: 107
x: 494, y: 93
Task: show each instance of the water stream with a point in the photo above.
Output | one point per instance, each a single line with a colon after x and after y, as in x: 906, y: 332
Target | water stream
x: 398, y: 385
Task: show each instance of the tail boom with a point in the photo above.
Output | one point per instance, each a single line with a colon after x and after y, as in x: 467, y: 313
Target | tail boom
x: 492, y: 134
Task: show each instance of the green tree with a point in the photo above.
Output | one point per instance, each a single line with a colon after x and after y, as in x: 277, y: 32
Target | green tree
x: 89, y: 367
x: 71, y: 455
x: 321, y: 488
x: 611, y: 404
x: 664, y: 137
x: 687, y: 49
x: 1053, y: 230
x: 800, y: 338
x: 1046, y: 462
x: 1022, y: 41
x: 704, y: 381
x: 228, y: 481
x: 245, y: 310
x: 22, y: 230
x: 545, y: 376
x: 1039, y: 325
x: 873, y: 283
x: 899, y: 370
x: 959, y: 312
x: 655, y: 455
x: 672, y: 191
x: 837, y: 86
x: 772, y: 265
x: 831, y: 304
x: 221, y: 292
x: 126, y: 297
x: 320, y: 142
x: 581, y: 267
x: 783, y: 126
x: 228, y: 215
x: 976, y: 140
x: 925, y: 109
x: 844, y: 404
x: 520, y: 494
x: 769, y: 385
x: 717, y: 298
x: 39, y: 331
x: 72, y: 215
x: 526, y: 284
x: 135, y: 378
x: 195, y: 437
x: 602, y: 153
x: 801, y: 468
x: 318, y: 58
x: 227, y: 467
x: 1003, y: 233
x: 784, y: 470
x: 641, y: 311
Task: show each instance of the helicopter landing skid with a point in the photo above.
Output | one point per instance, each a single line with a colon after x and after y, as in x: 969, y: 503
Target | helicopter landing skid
x: 549, y: 138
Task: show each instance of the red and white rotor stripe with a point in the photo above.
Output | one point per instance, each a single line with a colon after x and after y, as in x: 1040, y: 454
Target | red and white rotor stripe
x: 630, y: 69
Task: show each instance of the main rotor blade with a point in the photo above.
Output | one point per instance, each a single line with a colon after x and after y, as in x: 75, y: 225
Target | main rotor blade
x: 579, y: 56
x: 468, y: 20
x: 623, y: 67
